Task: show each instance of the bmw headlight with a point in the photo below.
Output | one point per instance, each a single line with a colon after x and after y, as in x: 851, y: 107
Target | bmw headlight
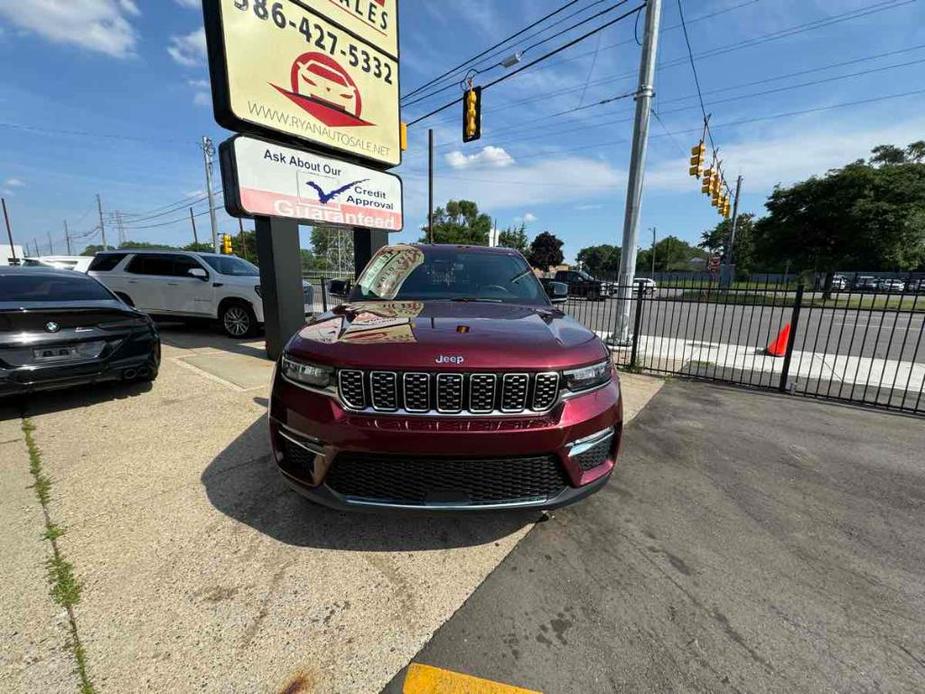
x: 309, y: 374
x: 587, y: 376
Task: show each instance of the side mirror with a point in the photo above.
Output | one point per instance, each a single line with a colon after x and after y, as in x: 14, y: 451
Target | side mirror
x: 559, y: 288
x: 198, y: 273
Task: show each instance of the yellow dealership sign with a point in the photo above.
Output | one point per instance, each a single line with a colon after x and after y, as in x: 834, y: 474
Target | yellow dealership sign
x: 306, y: 70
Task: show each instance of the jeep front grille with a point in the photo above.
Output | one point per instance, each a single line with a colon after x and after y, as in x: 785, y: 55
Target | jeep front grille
x: 447, y: 393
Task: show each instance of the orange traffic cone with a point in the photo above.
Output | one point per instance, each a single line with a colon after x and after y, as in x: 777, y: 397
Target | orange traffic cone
x: 778, y: 347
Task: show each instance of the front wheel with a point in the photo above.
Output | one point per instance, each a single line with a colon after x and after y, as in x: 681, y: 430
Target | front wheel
x: 238, y: 321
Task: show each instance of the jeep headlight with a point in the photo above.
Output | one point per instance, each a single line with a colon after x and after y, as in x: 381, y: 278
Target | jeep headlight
x: 309, y: 374
x: 587, y: 376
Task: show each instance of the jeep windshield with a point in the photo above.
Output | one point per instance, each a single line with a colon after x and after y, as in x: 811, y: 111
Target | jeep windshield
x: 428, y: 273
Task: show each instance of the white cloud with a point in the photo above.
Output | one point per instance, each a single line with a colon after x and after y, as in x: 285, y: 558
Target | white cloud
x: 190, y: 4
x: 490, y: 156
x: 529, y: 218
x: 7, y: 192
x: 199, y: 84
x: 189, y: 49
x: 549, y: 181
x: 13, y: 183
x: 586, y: 208
x: 766, y: 158
x: 202, y: 99
x: 102, y: 26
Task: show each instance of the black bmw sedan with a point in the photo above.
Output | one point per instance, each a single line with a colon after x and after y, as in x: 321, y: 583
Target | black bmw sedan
x: 60, y: 328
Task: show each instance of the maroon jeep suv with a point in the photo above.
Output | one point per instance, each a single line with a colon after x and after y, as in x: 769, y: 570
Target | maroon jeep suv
x: 446, y: 382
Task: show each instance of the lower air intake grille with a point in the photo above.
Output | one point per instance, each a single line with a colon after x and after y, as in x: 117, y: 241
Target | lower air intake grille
x: 594, y: 456
x: 434, y: 481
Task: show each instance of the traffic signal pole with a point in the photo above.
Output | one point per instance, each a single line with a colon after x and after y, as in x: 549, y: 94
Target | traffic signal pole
x: 644, y: 96
x: 208, y: 150
x: 727, y: 276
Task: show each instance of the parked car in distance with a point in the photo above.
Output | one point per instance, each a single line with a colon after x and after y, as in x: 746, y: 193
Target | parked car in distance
x: 80, y: 263
x: 447, y: 382
x: 839, y: 283
x: 339, y: 287
x: 556, y: 291
x: 648, y: 285
x: 184, y: 284
x: 892, y: 285
x: 916, y: 286
x: 60, y: 329
x: 581, y: 284
x: 866, y: 283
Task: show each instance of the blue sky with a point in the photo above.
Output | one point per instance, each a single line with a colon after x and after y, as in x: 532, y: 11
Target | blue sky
x: 111, y: 97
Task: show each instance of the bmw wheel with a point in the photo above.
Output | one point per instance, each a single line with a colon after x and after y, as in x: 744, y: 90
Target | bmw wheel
x: 238, y: 321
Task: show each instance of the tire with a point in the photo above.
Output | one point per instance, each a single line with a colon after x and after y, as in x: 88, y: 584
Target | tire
x: 238, y: 320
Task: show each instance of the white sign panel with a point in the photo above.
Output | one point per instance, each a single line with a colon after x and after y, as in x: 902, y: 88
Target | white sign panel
x: 263, y: 179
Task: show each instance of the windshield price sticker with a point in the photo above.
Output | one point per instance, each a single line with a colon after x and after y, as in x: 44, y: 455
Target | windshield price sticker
x: 265, y: 179
x: 292, y: 71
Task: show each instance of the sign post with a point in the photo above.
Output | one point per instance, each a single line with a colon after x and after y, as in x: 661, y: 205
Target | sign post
x: 312, y: 88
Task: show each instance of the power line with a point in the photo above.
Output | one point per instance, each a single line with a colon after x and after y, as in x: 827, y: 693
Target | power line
x: 488, y: 50
x: 619, y: 43
x: 528, y: 48
x: 534, y: 62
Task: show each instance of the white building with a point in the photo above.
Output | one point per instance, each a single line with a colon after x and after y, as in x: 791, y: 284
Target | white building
x: 6, y: 254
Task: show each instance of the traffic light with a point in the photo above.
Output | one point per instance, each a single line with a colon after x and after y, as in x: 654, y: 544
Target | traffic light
x: 226, y: 244
x: 472, y: 114
x: 707, y: 186
x: 403, y: 136
x: 698, y: 152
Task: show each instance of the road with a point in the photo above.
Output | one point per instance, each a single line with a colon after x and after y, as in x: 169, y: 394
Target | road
x: 866, y: 333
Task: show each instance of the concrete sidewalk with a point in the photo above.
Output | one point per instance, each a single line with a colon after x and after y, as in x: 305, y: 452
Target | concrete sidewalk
x: 672, y: 354
x: 201, y: 570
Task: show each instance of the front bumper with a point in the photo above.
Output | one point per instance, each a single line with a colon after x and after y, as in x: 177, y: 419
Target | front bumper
x: 324, y: 431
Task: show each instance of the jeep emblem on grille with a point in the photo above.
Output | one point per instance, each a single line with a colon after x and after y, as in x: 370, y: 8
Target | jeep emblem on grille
x: 447, y: 359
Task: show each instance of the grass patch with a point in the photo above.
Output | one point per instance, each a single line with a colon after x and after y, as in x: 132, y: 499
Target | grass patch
x: 63, y: 584
x: 733, y: 297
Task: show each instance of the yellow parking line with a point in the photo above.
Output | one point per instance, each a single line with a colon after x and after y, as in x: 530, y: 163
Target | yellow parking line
x: 424, y: 679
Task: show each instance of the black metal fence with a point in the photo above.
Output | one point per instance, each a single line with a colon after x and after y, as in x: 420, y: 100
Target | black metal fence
x: 863, y: 347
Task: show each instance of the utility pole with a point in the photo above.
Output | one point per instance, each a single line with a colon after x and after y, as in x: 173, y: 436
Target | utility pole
x: 637, y: 170
x: 99, y: 206
x: 192, y: 219
x: 728, y: 274
x: 67, y: 237
x: 51, y: 245
x: 208, y: 152
x: 35, y: 242
x: 430, y: 185
x: 9, y: 233
x: 241, y: 236
x: 653, y: 252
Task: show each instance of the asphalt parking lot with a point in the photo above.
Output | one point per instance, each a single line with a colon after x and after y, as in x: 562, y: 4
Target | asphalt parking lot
x: 748, y: 542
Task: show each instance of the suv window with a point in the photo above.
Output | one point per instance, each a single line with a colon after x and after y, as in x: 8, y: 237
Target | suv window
x: 182, y: 264
x: 161, y: 265
x: 106, y: 262
x: 232, y: 265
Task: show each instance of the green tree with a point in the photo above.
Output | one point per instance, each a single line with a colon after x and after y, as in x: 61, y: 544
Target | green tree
x: 332, y: 248
x: 515, y: 237
x: 545, y: 251
x: 145, y: 246
x: 716, y: 240
x: 671, y: 255
x: 200, y: 247
x: 864, y: 216
x: 460, y: 223
x: 600, y: 261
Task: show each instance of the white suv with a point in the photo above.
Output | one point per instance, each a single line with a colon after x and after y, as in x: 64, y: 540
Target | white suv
x: 188, y: 285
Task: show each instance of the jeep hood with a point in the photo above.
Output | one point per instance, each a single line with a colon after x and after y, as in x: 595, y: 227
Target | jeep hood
x: 445, y: 335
